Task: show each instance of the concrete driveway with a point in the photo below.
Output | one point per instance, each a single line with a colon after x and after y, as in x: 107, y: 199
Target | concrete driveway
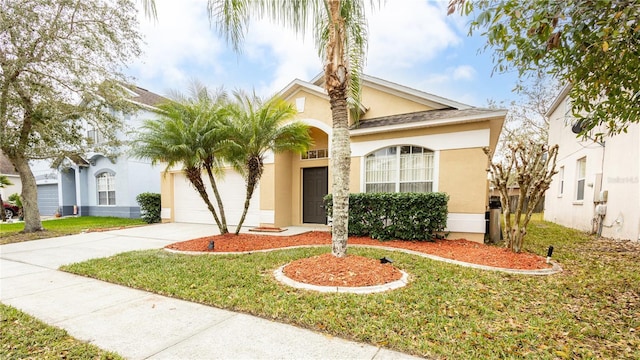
x: 142, y: 325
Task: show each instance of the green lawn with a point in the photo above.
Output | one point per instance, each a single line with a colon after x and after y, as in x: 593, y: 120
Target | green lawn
x: 591, y: 310
x: 24, y: 337
x: 10, y: 233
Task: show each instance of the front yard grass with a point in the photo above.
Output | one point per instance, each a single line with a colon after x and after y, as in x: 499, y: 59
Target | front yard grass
x: 591, y: 310
x: 24, y: 337
x: 10, y: 232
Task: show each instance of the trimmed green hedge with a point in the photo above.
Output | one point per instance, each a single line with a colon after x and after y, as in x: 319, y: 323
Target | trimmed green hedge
x: 149, y: 207
x: 389, y: 216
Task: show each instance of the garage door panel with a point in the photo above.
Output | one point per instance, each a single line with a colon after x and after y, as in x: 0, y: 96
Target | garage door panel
x: 189, y: 206
x: 48, y: 199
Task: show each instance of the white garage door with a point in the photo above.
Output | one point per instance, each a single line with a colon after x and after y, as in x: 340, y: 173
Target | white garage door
x: 189, y: 206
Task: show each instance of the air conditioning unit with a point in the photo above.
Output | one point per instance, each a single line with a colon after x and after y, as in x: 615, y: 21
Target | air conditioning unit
x: 601, y: 209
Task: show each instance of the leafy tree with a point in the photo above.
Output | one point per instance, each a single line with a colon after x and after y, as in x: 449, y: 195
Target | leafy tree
x: 531, y: 166
x: 60, y: 64
x: 526, y: 118
x: 592, y: 45
x: 190, y: 131
x: 257, y: 127
x: 4, y: 182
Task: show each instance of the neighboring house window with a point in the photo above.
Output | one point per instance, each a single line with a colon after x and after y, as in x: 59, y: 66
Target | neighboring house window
x: 581, y: 172
x: 95, y: 136
x: 561, y: 181
x: 399, y: 169
x: 106, y: 185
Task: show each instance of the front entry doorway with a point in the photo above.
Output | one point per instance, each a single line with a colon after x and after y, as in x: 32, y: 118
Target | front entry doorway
x: 314, y: 187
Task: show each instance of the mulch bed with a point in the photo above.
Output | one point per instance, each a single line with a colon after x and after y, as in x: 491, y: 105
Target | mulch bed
x: 357, y: 270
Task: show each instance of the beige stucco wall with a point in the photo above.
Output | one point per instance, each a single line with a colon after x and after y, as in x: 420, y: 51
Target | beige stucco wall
x: 463, y: 176
x: 166, y: 196
x: 379, y: 103
x: 267, y: 188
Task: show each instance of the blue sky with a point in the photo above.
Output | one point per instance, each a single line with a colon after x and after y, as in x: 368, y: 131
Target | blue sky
x: 411, y: 42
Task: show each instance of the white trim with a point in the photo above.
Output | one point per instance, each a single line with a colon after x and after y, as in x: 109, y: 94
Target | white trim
x: 455, y: 140
x: 559, y: 99
x: 430, y: 123
x: 297, y: 85
x: 267, y: 216
x: 318, y: 124
x: 466, y: 223
x: 434, y: 183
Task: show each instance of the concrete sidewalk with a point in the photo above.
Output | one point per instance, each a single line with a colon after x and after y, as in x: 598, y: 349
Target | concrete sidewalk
x: 142, y: 325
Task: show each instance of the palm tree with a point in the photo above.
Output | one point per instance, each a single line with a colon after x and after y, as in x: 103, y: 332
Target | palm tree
x: 257, y: 127
x: 191, y: 132
x: 340, y: 32
x: 4, y: 182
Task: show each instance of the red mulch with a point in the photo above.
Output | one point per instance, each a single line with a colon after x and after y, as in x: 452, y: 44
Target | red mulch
x: 353, y: 270
x: 356, y: 270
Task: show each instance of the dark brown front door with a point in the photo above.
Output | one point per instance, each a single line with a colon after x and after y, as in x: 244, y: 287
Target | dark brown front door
x: 314, y: 188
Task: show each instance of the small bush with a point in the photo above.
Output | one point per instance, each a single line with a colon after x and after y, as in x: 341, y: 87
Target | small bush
x: 149, y: 207
x: 15, y: 199
x: 402, y: 216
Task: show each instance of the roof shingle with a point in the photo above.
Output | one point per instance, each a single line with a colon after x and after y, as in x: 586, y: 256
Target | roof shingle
x: 420, y: 116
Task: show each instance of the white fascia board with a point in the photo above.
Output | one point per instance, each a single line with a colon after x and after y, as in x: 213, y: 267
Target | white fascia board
x: 295, y: 86
x: 435, y: 142
x: 430, y: 123
x: 559, y: 99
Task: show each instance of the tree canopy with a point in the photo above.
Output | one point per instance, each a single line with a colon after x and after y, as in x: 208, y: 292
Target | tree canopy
x: 592, y: 45
x: 60, y: 63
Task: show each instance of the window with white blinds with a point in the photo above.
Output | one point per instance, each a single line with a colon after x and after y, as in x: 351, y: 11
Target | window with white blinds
x: 106, y: 186
x: 399, y: 169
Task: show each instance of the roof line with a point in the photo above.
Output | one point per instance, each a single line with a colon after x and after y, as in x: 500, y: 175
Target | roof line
x: 429, y: 123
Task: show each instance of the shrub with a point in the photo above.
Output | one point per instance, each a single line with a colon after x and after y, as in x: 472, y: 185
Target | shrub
x: 149, y: 207
x: 15, y: 199
x: 402, y: 216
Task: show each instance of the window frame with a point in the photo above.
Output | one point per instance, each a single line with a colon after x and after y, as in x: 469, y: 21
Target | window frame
x: 396, y: 172
x: 581, y: 177
x: 561, y: 181
x: 110, y: 188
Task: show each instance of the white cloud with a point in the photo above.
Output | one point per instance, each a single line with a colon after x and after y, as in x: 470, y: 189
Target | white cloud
x: 406, y: 33
x: 464, y: 72
x: 180, y: 39
x: 287, y: 53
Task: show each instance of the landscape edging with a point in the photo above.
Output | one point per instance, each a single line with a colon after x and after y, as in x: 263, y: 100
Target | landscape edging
x: 556, y: 268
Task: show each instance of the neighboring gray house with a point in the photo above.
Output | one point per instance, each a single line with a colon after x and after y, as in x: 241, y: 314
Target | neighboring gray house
x: 96, y: 185
x: 597, y: 187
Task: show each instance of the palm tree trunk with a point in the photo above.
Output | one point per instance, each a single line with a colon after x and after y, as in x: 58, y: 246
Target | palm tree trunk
x: 255, y: 168
x: 214, y: 186
x: 29, y: 196
x: 195, y: 177
x: 341, y: 168
x: 336, y: 79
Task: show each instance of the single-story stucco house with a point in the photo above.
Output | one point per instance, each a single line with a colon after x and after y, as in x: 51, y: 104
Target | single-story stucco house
x: 406, y: 140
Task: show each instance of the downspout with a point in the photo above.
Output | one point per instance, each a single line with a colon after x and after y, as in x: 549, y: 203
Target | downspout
x: 78, y: 192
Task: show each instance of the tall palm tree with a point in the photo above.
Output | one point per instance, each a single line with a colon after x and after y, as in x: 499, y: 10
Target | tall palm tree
x: 340, y: 32
x: 191, y: 132
x: 257, y: 127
